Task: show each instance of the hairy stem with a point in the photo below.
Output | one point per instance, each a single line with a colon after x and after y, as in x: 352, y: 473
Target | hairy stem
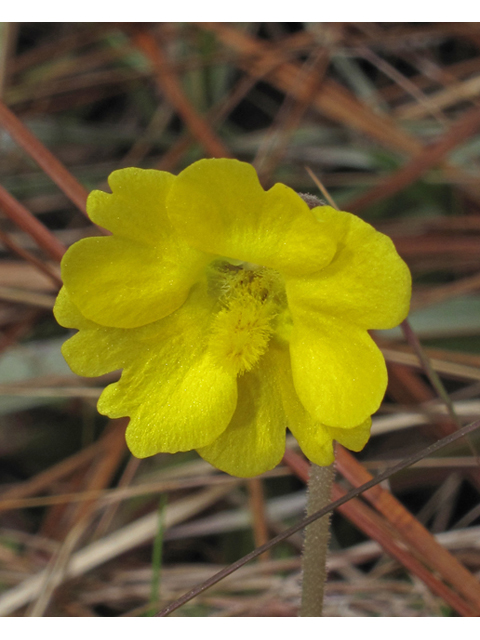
x: 316, y: 542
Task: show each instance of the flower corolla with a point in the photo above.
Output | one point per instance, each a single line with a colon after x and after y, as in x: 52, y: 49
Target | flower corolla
x: 234, y: 312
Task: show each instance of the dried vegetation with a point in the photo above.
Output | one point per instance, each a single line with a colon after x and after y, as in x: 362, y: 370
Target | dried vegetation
x: 387, y: 116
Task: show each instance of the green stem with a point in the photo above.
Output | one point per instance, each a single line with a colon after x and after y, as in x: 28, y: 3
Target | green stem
x: 316, y: 542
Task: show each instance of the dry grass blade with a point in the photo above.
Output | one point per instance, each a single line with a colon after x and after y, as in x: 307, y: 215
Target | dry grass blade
x: 414, y: 533
x: 369, y: 522
x: 431, y: 74
x: 170, y: 84
x: 26, y: 221
x: 442, y: 99
x: 452, y: 369
x: 216, y: 115
x: 257, y: 509
x: 306, y: 521
x: 54, y: 573
x: 333, y: 100
x: 33, y: 260
x: 408, y: 387
x: 42, y: 156
x: 99, y: 552
x: 323, y: 191
x: 64, y: 468
x: 290, y: 115
x: 50, y: 392
x: 421, y: 163
x: 127, y: 476
x: 8, y: 36
x: 65, y: 44
x: 447, y: 291
x: 61, y: 518
x: 405, y: 83
x: 20, y: 275
x: 27, y: 297
x: 380, y: 529
x: 100, y: 475
x: 107, y: 497
x: 435, y: 381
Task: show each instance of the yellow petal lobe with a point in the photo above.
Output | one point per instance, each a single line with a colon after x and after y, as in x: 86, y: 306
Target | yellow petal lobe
x: 338, y: 371
x: 254, y: 441
x: 366, y: 281
x: 144, y: 271
x: 218, y: 206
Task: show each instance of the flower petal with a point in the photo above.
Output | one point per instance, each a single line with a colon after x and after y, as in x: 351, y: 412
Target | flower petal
x: 66, y: 313
x: 315, y: 441
x: 136, y: 207
x: 219, y: 207
x: 177, y: 397
x: 145, y: 271
x: 354, y: 439
x: 94, y: 350
x: 338, y: 371
x: 366, y: 282
x: 119, y: 283
x: 254, y: 441
x: 313, y: 438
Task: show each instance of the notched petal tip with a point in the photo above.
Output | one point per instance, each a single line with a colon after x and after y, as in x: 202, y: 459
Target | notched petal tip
x: 136, y: 207
x: 145, y: 270
x: 220, y: 207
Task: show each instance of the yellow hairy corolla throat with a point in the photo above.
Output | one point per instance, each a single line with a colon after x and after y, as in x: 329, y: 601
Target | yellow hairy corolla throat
x: 251, y: 299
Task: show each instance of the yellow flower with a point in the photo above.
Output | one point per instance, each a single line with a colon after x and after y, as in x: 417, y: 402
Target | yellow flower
x: 234, y: 313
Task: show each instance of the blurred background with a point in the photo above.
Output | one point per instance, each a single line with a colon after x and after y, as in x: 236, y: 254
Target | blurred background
x: 386, y: 117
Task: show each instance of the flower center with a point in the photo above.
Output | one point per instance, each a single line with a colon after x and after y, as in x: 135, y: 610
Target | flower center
x: 251, y: 298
